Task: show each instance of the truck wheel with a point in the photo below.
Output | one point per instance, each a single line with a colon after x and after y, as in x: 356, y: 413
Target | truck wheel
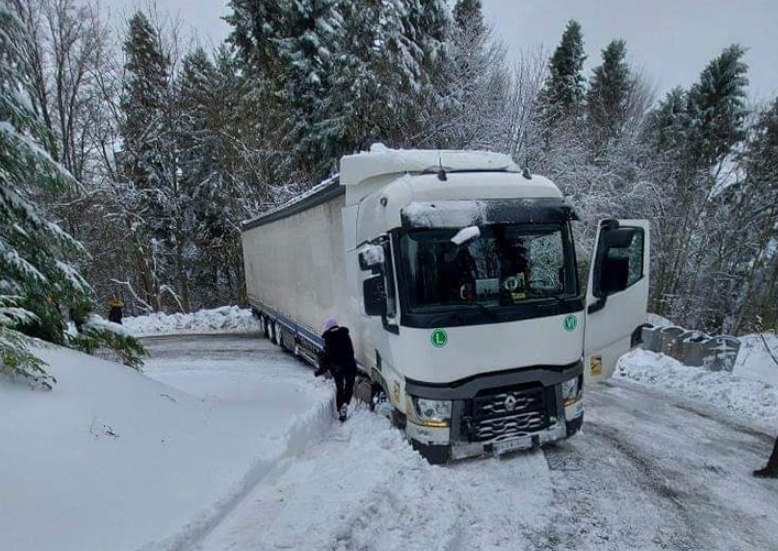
x: 266, y: 327
x: 277, y: 334
x: 379, y: 402
x: 281, y: 341
x: 434, y: 454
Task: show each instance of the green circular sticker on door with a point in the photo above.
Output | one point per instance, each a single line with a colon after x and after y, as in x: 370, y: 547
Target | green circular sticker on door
x: 570, y: 323
x: 439, y: 338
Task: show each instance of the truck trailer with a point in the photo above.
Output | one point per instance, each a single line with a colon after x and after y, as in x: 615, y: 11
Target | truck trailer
x: 456, y: 273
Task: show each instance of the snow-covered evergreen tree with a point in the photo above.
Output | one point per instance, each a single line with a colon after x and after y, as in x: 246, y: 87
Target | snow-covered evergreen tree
x: 565, y: 90
x: 314, y: 30
x: 468, y: 14
x: 717, y: 107
x: 347, y: 71
x: 609, y: 92
x: 212, y: 212
x: 149, y: 165
x: 418, y: 45
x: 470, y: 85
x: 37, y: 278
x: 742, y: 223
x: 696, y: 134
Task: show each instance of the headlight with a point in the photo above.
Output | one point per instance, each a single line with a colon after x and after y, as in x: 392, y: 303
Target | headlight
x: 571, y: 391
x: 430, y: 413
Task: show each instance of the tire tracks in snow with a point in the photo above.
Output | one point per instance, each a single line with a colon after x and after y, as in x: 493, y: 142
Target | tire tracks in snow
x: 645, y: 460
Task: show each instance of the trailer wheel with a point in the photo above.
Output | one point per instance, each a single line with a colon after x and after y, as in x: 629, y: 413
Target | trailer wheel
x: 283, y: 343
x: 266, y: 327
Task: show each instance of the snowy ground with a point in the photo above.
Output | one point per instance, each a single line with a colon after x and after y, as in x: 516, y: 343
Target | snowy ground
x: 225, y: 442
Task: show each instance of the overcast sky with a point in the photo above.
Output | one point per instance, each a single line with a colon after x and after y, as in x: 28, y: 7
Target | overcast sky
x: 670, y: 40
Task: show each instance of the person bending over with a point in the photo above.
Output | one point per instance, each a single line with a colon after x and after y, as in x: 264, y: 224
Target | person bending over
x: 338, y: 358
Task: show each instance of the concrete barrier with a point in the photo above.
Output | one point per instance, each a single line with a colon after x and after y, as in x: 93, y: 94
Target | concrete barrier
x: 720, y: 353
x: 650, y: 337
x: 668, y: 341
x: 693, y: 348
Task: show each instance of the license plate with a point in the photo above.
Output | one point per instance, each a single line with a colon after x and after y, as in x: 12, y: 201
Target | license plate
x: 521, y: 443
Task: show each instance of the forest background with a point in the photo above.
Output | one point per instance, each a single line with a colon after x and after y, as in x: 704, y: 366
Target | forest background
x: 130, y: 156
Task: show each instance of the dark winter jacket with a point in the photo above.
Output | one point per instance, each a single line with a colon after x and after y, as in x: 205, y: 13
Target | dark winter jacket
x: 338, y: 354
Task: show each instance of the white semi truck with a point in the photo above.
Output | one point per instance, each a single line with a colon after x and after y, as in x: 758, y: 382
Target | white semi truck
x: 456, y: 273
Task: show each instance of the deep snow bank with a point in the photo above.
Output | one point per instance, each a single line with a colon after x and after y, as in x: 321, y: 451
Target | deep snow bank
x: 226, y: 318
x: 112, y: 459
x: 750, y: 391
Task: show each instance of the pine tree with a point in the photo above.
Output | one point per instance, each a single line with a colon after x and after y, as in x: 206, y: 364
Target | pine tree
x: 257, y: 29
x: 36, y: 277
x: 148, y: 159
x: 717, y: 107
x: 608, y: 95
x: 418, y: 46
x: 361, y: 109
x: 564, y: 92
x: 313, y: 29
x: 761, y: 205
x: 468, y: 15
x: 471, y: 87
x: 212, y: 212
x: 667, y: 126
x: 336, y: 74
x: 697, y: 135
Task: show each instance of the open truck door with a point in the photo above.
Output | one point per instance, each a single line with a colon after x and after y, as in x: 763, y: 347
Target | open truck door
x: 616, y: 296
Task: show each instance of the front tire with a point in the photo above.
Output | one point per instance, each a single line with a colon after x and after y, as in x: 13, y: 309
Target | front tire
x: 434, y: 454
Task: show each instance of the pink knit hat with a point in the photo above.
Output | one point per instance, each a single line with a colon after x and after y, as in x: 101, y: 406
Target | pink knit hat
x: 330, y: 323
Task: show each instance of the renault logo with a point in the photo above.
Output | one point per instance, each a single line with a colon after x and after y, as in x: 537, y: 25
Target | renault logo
x: 510, y: 403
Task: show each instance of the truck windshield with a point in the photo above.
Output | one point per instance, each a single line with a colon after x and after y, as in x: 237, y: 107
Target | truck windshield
x: 506, y: 266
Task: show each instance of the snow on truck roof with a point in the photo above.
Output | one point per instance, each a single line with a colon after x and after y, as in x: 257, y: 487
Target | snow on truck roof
x: 380, y: 161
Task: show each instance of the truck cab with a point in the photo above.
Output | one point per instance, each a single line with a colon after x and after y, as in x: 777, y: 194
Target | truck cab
x: 473, y: 325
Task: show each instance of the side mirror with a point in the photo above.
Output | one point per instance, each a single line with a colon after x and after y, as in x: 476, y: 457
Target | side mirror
x: 620, y: 238
x: 374, y: 296
x: 371, y: 257
x: 614, y: 269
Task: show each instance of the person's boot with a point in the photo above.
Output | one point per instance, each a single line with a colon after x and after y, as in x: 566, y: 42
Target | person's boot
x: 767, y: 472
x: 343, y: 412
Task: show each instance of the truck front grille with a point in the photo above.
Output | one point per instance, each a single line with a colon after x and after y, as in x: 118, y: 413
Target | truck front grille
x: 507, y: 414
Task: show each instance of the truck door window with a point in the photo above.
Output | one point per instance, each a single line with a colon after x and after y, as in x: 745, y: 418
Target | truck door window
x: 623, y: 264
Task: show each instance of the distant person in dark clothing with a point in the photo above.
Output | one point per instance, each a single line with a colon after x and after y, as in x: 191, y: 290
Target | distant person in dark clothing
x: 771, y: 470
x: 338, y: 358
x: 115, y: 306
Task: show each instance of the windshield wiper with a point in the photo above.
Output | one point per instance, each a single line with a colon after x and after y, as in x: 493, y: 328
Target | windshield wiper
x: 485, y: 309
x: 560, y: 299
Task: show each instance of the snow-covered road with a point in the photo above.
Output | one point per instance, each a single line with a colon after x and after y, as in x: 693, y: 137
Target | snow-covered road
x: 652, y: 473
x: 648, y: 472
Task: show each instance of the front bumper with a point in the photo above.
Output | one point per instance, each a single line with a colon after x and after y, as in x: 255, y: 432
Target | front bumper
x: 461, y: 450
x: 435, y: 443
x: 518, y: 414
